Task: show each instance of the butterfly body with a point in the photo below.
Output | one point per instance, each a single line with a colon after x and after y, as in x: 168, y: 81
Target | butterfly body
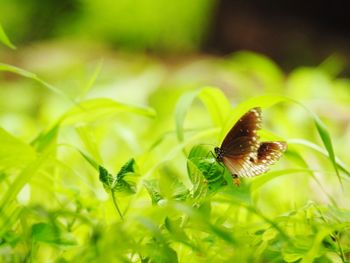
x: 219, y: 154
x: 242, y: 153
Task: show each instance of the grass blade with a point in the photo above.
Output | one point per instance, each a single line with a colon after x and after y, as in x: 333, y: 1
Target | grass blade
x: 95, y: 109
x: 213, y: 99
x: 339, y: 163
x: 30, y: 75
x: 5, y: 40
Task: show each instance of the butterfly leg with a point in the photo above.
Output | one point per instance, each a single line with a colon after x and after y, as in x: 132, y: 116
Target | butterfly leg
x: 236, y: 180
x: 223, y: 167
x: 220, y: 163
x: 210, y: 152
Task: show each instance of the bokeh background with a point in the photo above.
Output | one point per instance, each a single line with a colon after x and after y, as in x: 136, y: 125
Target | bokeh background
x: 293, y: 33
x: 133, y: 48
x: 114, y: 79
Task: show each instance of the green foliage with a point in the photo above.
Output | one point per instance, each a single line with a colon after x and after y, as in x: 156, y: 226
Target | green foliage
x: 118, y: 183
x: 143, y: 25
x: 4, y: 39
x: 47, y: 233
x: 206, y: 175
x: 127, y: 174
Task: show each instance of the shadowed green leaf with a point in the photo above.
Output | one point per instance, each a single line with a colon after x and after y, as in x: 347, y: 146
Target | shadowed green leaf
x: 106, y: 178
x: 46, y: 233
x: 4, y: 39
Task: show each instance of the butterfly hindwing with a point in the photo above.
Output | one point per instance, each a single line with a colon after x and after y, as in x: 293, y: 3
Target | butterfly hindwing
x: 268, y: 153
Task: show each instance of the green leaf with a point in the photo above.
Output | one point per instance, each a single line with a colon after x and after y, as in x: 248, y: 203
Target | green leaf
x: 216, y: 103
x: 95, y: 109
x: 18, y: 183
x: 4, y: 39
x: 30, y: 75
x: 214, y: 100
x: 327, y: 142
x: 199, y: 187
x: 123, y: 186
x: 170, y: 185
x: 310, y: 145
x: 128, y: 167
x: 92, y: 162
x: 258, y: 68
x: 117, y: 183
x: 13, y: 152
x: 182, y: 107
x: 106, y: 178
x: 238, y: 195
x: 177, y: 231
x: 297, y: 158
x: 87, y: 111
x: 206, y: 175
x: 290, y: 257
x: 315, y: 250
x: 88, y: 138
x: 92, y: 80
x: 46, y: 140
x: 261, y: 180
x: 153, y: 190
x: 222, y: 233
x: 11, y: 238
x: 46, y: 233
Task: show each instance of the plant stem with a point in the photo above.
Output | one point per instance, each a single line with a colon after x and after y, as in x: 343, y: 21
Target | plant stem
x: 116, y: 205
x: 340, y: 248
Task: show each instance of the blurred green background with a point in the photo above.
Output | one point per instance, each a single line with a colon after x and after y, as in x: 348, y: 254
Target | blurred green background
x: 93, y: 84
x: 136, y: 25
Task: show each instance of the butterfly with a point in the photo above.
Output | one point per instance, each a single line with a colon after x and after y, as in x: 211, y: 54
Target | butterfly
x: 242, y: 153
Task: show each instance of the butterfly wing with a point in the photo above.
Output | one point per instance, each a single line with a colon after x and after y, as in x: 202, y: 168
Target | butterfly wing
x: 267, y: 154
x: 242, y: 139
x: 241, y: 143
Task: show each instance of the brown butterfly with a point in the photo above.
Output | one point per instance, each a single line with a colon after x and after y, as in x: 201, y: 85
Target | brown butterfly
x: 242, y: 153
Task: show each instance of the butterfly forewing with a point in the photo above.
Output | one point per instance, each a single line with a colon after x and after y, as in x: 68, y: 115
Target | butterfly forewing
x: 242, y: 139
